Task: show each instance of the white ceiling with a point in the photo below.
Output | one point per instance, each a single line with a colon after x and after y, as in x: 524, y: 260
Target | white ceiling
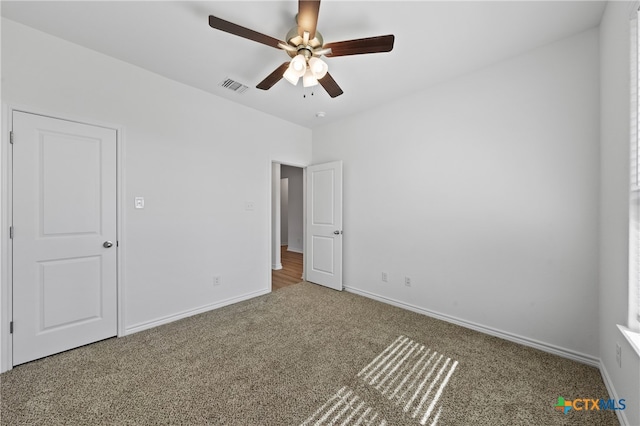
x: 435, y: 41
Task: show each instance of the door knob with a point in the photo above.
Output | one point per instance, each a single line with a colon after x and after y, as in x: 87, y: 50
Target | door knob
x: 107, y: 244
x: 336, y: 232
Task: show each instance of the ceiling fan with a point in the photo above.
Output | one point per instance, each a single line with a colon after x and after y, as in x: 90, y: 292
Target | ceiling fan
x: 305, y: 45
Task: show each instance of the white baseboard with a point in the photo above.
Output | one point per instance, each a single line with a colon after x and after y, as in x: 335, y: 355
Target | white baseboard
x: 546, y: 347
x: 622, y: 417
x: 276, y: 267
x: 295, y: 249
x: 171, y: 318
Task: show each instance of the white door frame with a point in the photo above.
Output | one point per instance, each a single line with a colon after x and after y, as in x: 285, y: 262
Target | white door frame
x: 276, y: 216
x: 270, y: 210
x: 6, y: 208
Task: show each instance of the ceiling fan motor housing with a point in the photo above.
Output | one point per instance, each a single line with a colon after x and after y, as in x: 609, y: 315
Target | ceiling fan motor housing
x: 294, y: 39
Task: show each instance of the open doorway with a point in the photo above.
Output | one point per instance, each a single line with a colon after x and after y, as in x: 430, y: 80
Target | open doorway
x: 287, y: 226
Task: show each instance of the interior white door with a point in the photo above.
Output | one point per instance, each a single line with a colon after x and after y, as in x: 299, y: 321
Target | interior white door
x: 64, y: 235
x: 324, y: 225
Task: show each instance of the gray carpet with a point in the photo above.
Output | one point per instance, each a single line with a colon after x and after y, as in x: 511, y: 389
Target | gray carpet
x: 302, y: 354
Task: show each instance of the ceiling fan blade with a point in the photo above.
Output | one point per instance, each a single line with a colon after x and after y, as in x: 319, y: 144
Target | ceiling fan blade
x: 308, y: 17
x: 361, y: 46
x: 330, y: 86
x: 231, y: 28
x: 273, y: 78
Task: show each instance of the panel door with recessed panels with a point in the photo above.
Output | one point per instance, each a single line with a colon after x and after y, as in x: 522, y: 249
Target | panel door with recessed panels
x: 64, y: 242
x: 324, y: 225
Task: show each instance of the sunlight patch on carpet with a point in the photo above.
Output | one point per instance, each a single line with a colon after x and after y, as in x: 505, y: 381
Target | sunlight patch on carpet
x: 411, y: 377
x: 345, y: 408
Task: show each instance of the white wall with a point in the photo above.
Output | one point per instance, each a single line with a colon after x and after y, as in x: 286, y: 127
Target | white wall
x: 188, y: 152
x: 295, y: 205
x: 483, y: 190
x: 614, y: 205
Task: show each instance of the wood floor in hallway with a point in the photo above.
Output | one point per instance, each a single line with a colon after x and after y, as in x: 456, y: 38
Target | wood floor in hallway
x: 291, y: 272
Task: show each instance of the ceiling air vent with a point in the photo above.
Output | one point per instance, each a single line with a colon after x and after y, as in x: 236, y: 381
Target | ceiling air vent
x: 234, y: 86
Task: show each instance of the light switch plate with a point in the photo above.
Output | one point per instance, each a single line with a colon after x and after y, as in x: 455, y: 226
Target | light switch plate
x: 139, y: 202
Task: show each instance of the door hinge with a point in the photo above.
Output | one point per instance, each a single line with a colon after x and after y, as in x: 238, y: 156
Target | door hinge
x: 11, y: 232
x: 11, y: 327
x: 117, y: 243
x: 11, y: 137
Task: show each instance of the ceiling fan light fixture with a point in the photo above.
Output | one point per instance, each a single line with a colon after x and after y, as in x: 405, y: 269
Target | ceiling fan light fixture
x: 291, y: 76
x: 298, y: 65
x: 309, y: 80
x: 318, y: 67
